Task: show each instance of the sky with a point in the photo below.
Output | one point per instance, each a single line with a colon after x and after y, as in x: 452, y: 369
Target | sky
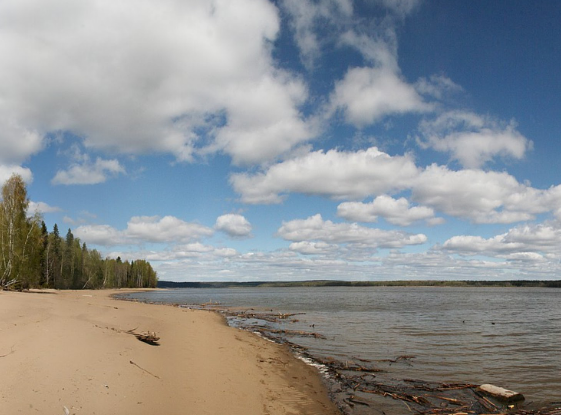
x: 294, y: 139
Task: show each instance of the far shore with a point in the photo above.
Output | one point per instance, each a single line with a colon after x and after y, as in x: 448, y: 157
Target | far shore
x: 71, y: 352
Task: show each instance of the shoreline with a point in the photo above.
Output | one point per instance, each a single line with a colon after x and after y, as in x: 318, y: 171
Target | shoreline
x: 361, y: 386
x: 70, y: 351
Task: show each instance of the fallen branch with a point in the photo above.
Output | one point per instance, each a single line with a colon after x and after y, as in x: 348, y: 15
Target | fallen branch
x: 146, y: 336
x: 7, y: 354
x: 141, y: 368
x: 397, y: 359
x: 292, y: 333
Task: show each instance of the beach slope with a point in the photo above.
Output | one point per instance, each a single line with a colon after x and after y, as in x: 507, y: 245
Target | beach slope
x: 69, y: 352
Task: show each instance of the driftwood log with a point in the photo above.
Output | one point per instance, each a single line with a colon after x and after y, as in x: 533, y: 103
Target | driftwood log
x: 501, y: 394
x: 149, y: 337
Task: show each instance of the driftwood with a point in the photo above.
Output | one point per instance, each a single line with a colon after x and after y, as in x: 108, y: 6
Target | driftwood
x: 141, y: 368
x: 356, y: 391
x: 149, y: 337
x: 502, y: 394
x: 290, y: 333
x: 7, y: 354
x: 347, y: 365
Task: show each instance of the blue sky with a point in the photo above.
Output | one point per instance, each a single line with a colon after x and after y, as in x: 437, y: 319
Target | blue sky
x: 291, y: 139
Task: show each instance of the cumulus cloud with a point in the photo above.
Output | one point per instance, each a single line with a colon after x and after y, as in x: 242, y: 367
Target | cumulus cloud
x: 195, y: 251
x: 482, y: 197
x: 234, y: 225
x: 104, y: 235
x: 472, y: 194
x: 315, y: 228
x: 6, y: 171
x: 528, y: 242
x: 166, y: 229
x: 437, y: 86
x: 395, y: 211
x: 86, y: 171
x: 335, y: 174
x: 147, y: 81
x: 471, y: 139
x: 308, y: 17
x: 17, y: 141
x: 366, y: 95
x: 144, y: 229
x: 312, y: 248
x: 41, y: 207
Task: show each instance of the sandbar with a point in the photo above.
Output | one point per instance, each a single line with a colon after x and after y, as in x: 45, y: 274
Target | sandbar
x: 68, y: 352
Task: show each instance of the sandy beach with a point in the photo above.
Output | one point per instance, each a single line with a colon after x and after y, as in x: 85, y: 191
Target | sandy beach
x: 69, y: 352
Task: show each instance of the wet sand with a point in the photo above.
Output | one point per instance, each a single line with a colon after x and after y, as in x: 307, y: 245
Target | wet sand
x: 70, y: 351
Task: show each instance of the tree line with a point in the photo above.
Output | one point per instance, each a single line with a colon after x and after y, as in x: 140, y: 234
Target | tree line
x: 33, y: 257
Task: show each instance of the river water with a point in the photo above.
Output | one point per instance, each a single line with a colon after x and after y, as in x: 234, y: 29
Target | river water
x: 509, y: 337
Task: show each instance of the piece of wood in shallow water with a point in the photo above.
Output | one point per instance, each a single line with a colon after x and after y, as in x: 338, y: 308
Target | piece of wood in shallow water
x: 501, y: 393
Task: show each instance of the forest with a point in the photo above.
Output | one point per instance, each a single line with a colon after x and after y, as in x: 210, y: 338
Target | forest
x: 33, y: 257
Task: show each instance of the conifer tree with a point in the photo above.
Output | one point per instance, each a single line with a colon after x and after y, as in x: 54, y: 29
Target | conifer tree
x: 31, y: 257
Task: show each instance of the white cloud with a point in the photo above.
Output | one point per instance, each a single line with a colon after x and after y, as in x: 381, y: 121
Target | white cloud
x: 104, y: 235
x: 315, y: 228
x: 149, y: 80
x: 475, y: 195
x: 264, y: 120
x: 308, y: 17
x: 482, y: 197
x: 6, y: 171
x: 17, y: 141
x: 471, y: 139
x: 366, y: 95
x: 195, y: 251
x: 234, y: 225
x: 401, y: 7
x: 438, y: 86
x: 312, y: 248
x: 378, y: 48
x: 166, y: 229
x: 528, y: 242
x: 144, y: 229
x: 41, y: 207
x: 395, y: 211
x: 334, y: 174
x: 226, y: 252
x: 88, y: 172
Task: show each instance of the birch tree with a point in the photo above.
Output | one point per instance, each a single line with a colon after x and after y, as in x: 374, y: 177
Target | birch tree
x: 16, y: 232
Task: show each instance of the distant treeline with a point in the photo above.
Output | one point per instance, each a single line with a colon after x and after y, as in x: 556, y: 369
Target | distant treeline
x: 32, y: 257
x: 330, y: 283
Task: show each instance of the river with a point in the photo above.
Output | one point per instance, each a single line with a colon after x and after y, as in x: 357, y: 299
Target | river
x: 509, y: 337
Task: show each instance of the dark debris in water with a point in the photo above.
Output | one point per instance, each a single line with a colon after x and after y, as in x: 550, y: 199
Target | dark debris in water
x: 372, y: 391
x: 361, y: 388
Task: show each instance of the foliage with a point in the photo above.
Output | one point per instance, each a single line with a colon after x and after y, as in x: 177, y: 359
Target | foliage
x: 31, y: 257
x: 337, y: 283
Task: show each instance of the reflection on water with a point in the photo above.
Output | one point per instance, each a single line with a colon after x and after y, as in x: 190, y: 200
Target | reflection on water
x: 505, y: 336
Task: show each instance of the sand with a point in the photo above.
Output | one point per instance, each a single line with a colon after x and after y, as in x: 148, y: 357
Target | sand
x: 68, y: 352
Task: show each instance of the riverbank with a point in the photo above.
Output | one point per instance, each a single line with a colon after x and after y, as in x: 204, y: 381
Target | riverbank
x: 71, y: 351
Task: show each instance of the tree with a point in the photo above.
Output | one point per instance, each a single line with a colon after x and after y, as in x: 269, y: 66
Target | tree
x: 16, y: 232
x: 68, y: 266
x: 30, y: 256
x: 44, y: 272
x: 56, y: 257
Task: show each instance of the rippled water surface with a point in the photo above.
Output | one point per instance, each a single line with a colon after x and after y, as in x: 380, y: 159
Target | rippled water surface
x: 510, y: 337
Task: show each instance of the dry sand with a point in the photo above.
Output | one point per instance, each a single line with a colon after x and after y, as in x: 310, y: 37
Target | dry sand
x: 70, y: 351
